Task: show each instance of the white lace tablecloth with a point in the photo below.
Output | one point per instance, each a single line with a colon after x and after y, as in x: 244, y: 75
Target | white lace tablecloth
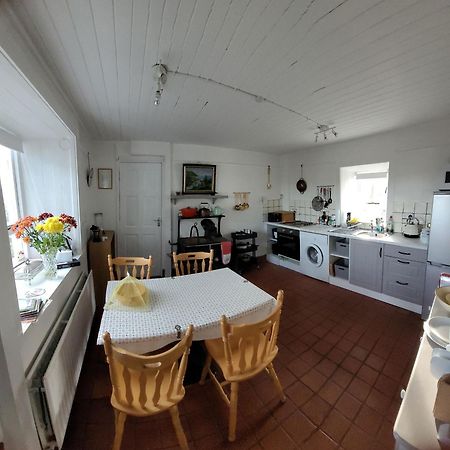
x: 200, y: 299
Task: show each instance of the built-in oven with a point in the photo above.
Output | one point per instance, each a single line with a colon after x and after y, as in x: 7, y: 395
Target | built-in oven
x: 288, y: 243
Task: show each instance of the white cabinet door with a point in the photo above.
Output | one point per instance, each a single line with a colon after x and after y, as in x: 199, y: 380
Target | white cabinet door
x: 366, y: 264
x: 140, y: 212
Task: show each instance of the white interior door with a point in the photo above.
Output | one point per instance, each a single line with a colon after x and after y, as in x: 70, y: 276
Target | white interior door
x: 140, y: 211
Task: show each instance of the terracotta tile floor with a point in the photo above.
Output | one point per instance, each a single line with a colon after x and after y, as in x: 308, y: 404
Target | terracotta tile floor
x: 343, y: 359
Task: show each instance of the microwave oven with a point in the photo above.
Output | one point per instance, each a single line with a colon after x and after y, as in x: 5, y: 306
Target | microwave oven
x: 281, y: 216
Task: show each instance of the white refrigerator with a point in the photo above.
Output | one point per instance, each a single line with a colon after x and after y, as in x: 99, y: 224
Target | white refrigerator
x: 438, y: 260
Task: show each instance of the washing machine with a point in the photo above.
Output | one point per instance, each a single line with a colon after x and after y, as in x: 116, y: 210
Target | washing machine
x: 314, y: 255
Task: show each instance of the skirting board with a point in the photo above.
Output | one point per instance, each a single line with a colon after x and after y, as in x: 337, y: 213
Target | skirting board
x: 376, y: 295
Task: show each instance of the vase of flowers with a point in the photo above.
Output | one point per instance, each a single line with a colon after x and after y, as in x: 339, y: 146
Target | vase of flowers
x: 47, y: 234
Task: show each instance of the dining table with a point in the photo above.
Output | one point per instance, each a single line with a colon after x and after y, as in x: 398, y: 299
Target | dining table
x: 200, y: 299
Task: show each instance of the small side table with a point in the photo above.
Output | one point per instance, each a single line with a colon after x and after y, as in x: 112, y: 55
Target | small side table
x: 98, y: 262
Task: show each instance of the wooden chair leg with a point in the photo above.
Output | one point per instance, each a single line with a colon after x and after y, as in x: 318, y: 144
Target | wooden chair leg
x: 205, y: 369
x: 178, y: 428
x: 120, y: 424
x: 276, y: 381
x: 233, y: 411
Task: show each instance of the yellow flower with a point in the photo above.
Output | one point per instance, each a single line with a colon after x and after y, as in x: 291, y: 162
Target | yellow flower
x: 53, y: 225
x: 39, y: 227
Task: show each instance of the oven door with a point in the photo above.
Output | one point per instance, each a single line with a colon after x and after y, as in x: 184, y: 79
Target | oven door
x: 289, y: 243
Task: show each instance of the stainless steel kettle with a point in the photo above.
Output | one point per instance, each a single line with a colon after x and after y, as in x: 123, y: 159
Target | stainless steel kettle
x: 411, y: 228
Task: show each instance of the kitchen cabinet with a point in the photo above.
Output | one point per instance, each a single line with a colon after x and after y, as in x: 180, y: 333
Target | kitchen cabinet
x: 339, y: 257
x: 366, y: 264
x: 404, y: 273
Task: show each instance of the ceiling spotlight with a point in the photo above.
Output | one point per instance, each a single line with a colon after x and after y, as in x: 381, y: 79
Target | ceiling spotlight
x: 157, y: 97
x: 160, y: 76
x: 323, y: 131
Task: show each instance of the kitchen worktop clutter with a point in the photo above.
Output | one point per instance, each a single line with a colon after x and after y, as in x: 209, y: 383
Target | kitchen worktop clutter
x: 204, y: 210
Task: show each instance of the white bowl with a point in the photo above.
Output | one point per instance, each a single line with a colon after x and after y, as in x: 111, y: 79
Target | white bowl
x: 443, y: 294
x: 439, y: 327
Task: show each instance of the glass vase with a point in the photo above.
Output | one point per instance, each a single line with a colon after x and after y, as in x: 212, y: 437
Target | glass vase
x: 49, y: 262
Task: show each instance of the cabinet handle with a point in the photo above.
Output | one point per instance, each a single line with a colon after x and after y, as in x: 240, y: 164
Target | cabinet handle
x: 402, y: 284
x: 404, y: 253
x: 402, y: 262
x: 381, y: 249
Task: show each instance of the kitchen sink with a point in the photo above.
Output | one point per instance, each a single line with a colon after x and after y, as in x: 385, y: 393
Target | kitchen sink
x: 348, y: 231
x: 364, y: 233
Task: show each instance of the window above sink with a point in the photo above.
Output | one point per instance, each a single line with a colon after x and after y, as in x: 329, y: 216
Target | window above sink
x: 364, y: 191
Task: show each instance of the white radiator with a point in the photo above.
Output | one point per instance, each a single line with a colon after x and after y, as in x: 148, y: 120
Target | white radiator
x: 57, y: 368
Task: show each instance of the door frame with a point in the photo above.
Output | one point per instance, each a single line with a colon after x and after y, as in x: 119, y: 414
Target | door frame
x: 166, y: 219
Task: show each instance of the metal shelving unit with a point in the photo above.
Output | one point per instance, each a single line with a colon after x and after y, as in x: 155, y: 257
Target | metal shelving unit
x: 244, y: 250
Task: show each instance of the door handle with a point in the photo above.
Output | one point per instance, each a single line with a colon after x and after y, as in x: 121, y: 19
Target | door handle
x: 158, y: 221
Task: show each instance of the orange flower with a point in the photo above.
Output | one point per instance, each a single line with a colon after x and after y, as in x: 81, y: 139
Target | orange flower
x: 26, y: 239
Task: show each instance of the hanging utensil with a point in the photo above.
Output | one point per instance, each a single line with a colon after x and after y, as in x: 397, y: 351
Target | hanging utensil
x: 301, y: 183
x: 330, y: 200
x: 317, y: 202
x: 269, y: 185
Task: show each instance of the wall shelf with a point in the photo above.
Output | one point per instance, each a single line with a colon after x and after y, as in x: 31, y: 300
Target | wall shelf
x: 212, y: 197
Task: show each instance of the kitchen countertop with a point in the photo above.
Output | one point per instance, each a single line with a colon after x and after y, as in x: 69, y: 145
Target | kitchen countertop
x: 396, y: 238
x: 414, y: 427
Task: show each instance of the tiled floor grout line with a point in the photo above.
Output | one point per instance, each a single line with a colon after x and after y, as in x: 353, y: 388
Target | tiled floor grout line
x: 335, y: 321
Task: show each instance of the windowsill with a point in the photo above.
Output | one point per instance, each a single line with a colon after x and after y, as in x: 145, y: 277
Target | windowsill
x: 40, y: 282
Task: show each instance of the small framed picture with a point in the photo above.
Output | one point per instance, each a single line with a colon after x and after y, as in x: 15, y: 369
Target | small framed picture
x: 104, y: 178
x: 199, y: 179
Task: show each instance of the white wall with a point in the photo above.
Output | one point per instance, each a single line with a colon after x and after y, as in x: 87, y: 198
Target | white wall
x: 418, y: 157
x: 237, y: 170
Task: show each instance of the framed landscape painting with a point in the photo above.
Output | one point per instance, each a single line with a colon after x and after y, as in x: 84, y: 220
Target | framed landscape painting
x: 199, y: 179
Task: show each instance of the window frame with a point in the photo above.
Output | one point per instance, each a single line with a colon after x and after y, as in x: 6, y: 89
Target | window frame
x: 16, y: 260
x: 350, y: 177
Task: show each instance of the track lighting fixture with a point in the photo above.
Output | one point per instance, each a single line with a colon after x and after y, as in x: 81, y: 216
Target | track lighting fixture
x: 160, y: 72
x: 160, y: 76
x: 323, y: 130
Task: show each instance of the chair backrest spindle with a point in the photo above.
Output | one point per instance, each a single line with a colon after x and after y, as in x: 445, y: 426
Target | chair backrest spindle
x: 187, y: 263
x: 120, y: 267
x: 255, y: 343
x: 137, y: 379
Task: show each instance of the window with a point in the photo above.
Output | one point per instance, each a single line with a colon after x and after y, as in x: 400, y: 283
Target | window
x: 364, y: 191
x: 10, y: 195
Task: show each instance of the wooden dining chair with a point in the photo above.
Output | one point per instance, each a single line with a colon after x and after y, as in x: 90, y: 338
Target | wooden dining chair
x: 147, y: 385
x: 241, y: 353
x: 195, y: 262
x: 121, y: 266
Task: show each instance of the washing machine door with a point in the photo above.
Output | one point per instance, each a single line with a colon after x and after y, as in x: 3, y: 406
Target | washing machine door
x: 314, y: 255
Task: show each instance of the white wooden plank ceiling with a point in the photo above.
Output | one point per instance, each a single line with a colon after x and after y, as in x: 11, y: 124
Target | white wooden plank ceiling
x: 365, y: 66
x: 23, y: 113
